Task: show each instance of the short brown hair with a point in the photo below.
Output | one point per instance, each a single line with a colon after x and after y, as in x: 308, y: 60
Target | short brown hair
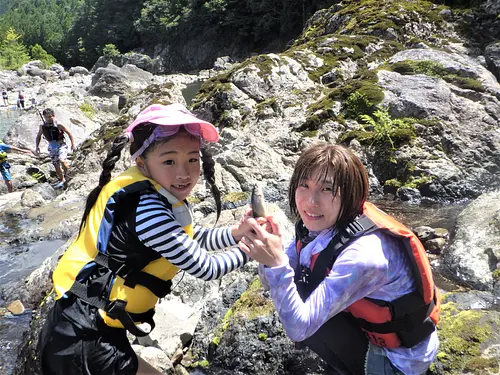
x: 349, y: 177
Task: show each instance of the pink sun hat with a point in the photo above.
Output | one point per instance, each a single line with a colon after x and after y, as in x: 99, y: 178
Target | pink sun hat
x: 173, y: 115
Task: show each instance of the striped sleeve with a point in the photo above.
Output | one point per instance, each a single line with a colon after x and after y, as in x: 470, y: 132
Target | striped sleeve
x: 214, y: 239
x: 157, y: 228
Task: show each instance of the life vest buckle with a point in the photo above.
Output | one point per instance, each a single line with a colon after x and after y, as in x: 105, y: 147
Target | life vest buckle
x: 115, y: 309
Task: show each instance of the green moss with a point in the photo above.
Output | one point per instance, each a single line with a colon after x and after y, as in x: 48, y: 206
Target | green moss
x: 461, y: 334
x: 263, y: 105
x: 235, y: 196
x: 496, y: 274
x: 427, y: 67
x: 369, y: 16
x: 193, y: 200
x: 358, y: 104
x: 262, y: 336
x: 464, y: 82
x: 434, y: 69
x: 111, y: 133
x: 309, y: 133
x: 417, y: 182
x: 87, y: 144
x: 216, y: 341
x: 203, y: 364
x: 87, y: 110
x: 393, y: 183
x: 252, y: 303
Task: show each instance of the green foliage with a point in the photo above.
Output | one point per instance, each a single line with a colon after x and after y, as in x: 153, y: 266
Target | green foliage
x: 109, y: 51
x: 13, y: 54
x: 165, y: 13
x: 44, y: 22
x: 88, y: 110
x: 38, y: 53
x: 386, y: 129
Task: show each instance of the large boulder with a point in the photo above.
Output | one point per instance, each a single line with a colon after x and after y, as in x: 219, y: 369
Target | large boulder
x: 492, y: 55
x: 473, y: 255
x: 124, y: 81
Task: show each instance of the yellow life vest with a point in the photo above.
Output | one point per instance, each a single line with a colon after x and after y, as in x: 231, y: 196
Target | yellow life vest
x: 92, y: 243
x: 3, y: 155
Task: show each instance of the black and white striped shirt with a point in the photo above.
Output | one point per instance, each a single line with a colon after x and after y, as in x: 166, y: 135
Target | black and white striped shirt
x: 157, y: 228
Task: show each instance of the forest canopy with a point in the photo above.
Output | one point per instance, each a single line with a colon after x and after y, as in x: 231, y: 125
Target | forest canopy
x: 76, y: 32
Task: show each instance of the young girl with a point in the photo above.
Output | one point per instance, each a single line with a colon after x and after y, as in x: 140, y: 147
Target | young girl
x: 352, y: 272
x: 136, y: 233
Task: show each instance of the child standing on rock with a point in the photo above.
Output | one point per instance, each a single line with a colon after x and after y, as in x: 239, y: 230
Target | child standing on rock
x: 54, y: 132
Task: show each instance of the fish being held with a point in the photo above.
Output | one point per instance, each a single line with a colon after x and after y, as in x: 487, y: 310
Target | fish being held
x: 258, y: 202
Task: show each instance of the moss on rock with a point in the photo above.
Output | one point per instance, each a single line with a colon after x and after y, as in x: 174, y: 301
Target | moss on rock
x: 434, y: 69
x: 235, y: 196
x: 463, y: 335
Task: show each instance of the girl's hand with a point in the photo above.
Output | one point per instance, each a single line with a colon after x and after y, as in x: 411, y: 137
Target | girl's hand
x: 263, y: 246
x: 239, y: 230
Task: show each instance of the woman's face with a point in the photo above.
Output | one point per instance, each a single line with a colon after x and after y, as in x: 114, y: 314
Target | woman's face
x: 174, y: 164
x: 317, y: 206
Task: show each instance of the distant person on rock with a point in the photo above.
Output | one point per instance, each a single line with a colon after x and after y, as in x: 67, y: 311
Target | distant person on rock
x: 136, y: 233
x: 5, y: 97
x: 20, y: 100
x: 53, y: 132
x: 4, y: 164
x: 355, y: 285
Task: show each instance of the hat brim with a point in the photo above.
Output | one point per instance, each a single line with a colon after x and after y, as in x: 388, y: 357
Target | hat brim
x: 207, y: 131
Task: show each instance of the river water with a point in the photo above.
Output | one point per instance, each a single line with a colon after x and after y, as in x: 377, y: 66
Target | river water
x: 17, y: 261
x: 8, y: 117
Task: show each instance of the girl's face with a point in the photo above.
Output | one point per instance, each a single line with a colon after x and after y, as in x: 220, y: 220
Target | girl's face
x: 174, y: 164
x: 317, y: 206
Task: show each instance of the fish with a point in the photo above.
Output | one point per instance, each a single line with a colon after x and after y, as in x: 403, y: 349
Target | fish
x: 258, y: 202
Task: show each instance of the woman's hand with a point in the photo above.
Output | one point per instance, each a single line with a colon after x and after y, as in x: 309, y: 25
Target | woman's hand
x: 262, y: 245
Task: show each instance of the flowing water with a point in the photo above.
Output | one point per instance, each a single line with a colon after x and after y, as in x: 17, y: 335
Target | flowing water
x: 8, y: 117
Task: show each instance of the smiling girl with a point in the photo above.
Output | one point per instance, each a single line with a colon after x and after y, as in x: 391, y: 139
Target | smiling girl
x: 136, y: 233
x: 355, y: 285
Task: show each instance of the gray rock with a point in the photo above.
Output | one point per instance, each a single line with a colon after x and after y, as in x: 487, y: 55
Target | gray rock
x: 31, y: 198
x: 78, y: 70
x: 424, y: 233
x: 492, y: 57
x: 474, y: 249
x: 435, y: 245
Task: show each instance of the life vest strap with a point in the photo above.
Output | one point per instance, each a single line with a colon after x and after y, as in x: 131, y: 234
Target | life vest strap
x: 114, y: 309
x: 407, y: 323
x: 132, y: 275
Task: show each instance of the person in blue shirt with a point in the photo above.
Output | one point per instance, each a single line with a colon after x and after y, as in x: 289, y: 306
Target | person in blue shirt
x: 4, y: 164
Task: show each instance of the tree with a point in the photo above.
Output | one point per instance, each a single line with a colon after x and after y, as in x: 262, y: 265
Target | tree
x: 13, y: 54
x: 38, y: 53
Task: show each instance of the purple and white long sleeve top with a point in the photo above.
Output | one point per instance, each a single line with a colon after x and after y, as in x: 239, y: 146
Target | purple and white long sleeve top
x: 371, y: 266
